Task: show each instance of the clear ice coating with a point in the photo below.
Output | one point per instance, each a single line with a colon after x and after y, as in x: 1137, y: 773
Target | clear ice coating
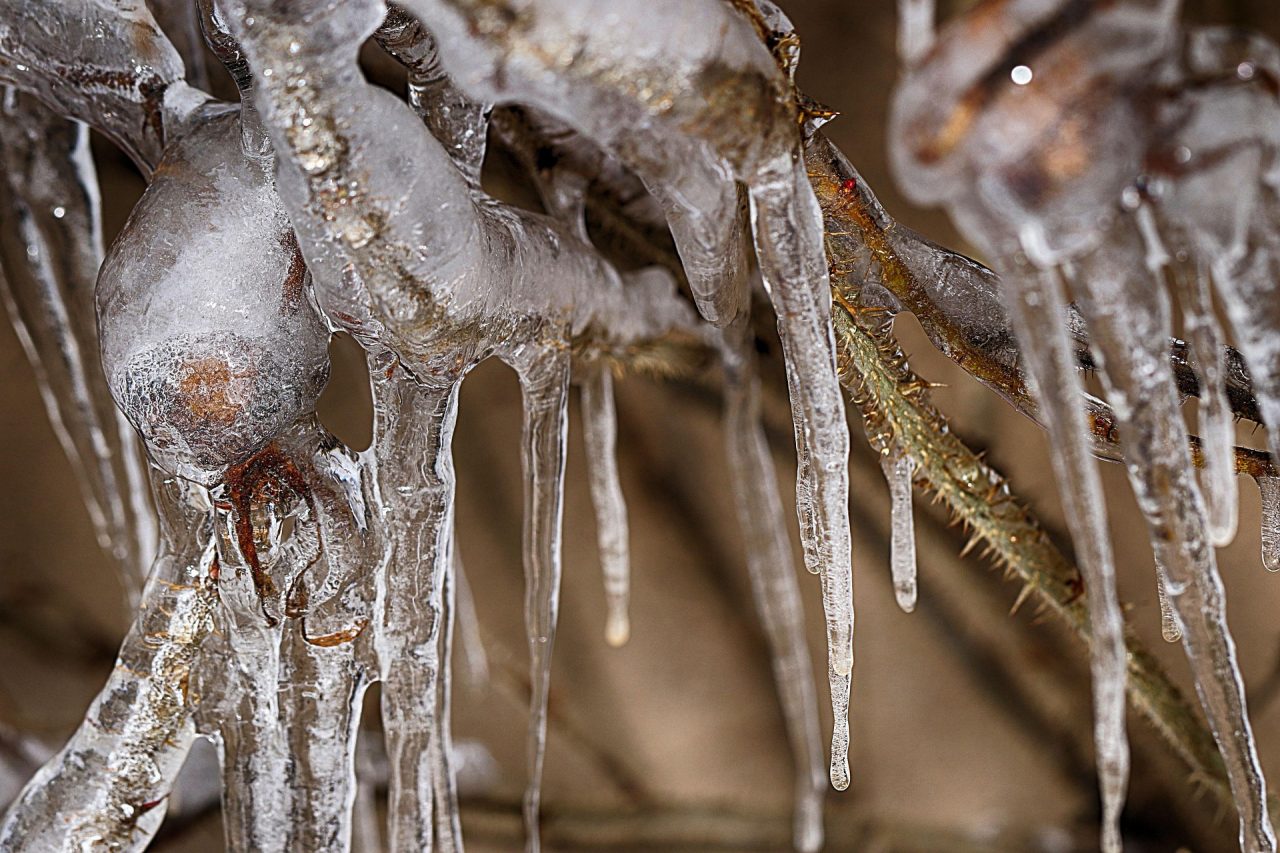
x: 294, y: 572
x: 1035, y: 126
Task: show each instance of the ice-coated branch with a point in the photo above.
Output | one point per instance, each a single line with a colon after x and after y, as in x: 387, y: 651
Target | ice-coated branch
x: 715, y: 108
x: 108, y: 787
x: 103, y: 62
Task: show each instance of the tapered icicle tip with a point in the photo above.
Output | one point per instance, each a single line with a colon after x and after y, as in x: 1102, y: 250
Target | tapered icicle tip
x: 840, y: 772
x: 1111, y: 841
x: 808, y: 823
x: 1269, y: 488
x: 898, y: 471
x: 617, y: 630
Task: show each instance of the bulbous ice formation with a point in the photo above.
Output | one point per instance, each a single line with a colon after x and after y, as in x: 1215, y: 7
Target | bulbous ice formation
x: 209, y: 340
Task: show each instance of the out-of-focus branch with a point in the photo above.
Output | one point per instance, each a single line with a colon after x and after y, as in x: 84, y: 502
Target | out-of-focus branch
x: 957, y: 302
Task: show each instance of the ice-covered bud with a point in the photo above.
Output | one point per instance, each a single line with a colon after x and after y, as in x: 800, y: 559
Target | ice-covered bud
x: 209, y: 339
x: 1032, y: 112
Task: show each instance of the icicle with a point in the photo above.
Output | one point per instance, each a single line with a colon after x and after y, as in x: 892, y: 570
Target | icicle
x: 51, y: 232
x: 1128, y: 321
x: 1269, y: 489
x: 448, y: 817
x: 544, y: 381
x: 773, y: 581
x: 915, y: 29
x: 1216, y: 421
x: 600, y: 430
x: 1170, y: 630
x: 108, y: 787
x: 898, y: 470
x: 322, y: 694
x: 255, y: 790
x: 1039, y: 317
x: 788, y: 229
x: 477, y: 661
x: 415, y: 425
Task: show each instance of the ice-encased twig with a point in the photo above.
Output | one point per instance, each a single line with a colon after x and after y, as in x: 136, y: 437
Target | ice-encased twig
x: 775, y: 590
x: 108, y: 786
x: 50, y: 249
x: 688, y: 136
x: 103, y: 62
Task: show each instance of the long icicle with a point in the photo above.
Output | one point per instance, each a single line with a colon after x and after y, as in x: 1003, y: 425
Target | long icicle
x: 600, y: 432
x: 544, y: 381
x: 787, y: 225
x: 1039, y: 317
x: 412, y: 423
x: 770, y: 563
x: 448, y: 817
x: 50, y: 229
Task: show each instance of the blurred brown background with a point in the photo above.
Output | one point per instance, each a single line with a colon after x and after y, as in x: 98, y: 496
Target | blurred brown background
x: 970, y: 727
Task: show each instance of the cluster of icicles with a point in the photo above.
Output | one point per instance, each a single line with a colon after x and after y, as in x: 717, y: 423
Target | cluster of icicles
x: 293, y: 572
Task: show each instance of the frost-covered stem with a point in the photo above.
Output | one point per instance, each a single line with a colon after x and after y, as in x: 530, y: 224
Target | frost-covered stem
x: 957, y: 302
x: 892, y: 397
x: 50, y: 250
x: 413, y: 425
x: 600, y: 432
x: 108, y: 787
x: 544, y: 383
x: 770, y: 564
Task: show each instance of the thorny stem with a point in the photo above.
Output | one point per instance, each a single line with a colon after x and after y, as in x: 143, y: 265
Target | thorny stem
x: 894, y: 403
